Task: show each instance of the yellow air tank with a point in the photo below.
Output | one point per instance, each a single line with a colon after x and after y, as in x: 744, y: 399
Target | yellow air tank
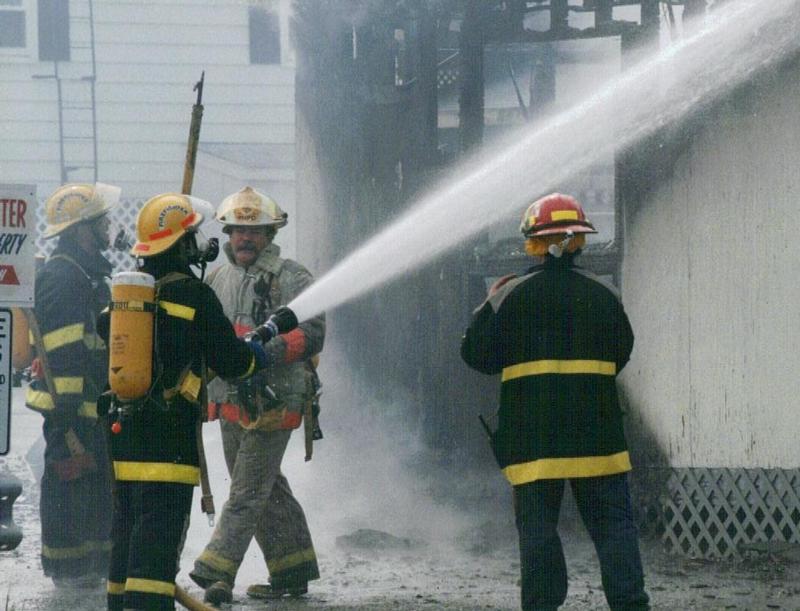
x: 130, y: 338
x: 21, y: 349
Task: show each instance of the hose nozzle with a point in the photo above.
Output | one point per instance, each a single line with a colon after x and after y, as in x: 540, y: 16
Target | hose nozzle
x: 282, y: 321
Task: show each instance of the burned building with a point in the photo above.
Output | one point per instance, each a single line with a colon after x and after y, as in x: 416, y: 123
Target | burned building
x: 390, y: 95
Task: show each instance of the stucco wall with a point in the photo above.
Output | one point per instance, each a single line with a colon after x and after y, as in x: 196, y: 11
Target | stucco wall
x: 710, y: 281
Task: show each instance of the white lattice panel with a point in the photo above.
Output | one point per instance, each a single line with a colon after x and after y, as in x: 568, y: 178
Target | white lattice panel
x: 710, y: 513
x: 447, y: 77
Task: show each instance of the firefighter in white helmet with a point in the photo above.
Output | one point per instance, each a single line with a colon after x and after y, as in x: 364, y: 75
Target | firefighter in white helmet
x: 559, y: 336
x: 257, y: 422
x: 70, y: 373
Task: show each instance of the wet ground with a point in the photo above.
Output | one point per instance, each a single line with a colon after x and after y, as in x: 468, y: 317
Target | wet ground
x: 387, y: 547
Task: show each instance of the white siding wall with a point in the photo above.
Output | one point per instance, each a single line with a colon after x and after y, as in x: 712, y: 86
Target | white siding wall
x: 149, y: 55
x: 710, y: 281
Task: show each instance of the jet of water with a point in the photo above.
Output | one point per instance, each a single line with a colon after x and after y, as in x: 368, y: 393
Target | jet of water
x: 742, y: 38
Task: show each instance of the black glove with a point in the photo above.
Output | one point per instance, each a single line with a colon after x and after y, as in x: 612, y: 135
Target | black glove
x: 282, y: 321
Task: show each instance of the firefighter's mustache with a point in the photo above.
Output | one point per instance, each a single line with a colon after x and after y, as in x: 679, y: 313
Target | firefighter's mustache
x: 246, y: 247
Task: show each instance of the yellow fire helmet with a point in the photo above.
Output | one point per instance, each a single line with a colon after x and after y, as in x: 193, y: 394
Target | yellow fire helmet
x: 164, y: 219
x: 249, y: 207
x: 74, y: 203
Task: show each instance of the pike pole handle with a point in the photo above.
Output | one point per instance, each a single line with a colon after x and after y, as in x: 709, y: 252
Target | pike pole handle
x: 194, y: 138
x: 182, y: 597
x: 206, y: 498
x: 486, y: 428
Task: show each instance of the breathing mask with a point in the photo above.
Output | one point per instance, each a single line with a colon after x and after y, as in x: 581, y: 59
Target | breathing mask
x: 202, y: 250
x: 122, y: 241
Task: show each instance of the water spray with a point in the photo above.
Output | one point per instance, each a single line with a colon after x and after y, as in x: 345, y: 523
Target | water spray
x: 740, y: 39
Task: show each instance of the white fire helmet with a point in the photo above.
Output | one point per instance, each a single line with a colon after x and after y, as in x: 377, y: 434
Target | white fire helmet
x: 248, y: 207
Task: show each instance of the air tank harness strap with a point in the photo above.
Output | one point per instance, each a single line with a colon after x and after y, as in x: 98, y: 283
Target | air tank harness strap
x: 193, y: 389
x: 189, y: 386
x: 69, y: 259
x: 133, y: 306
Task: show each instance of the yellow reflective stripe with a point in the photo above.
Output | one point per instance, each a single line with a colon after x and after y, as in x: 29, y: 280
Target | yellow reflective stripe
x: 31, y: 340
x: 63, y: 336
x: 190, y: 387
x: 150, y: 586
x: 68, y: 385
x: 39, y: 399
x: 292, y: 560
x: 156, y: 472
x: 88, y: 410
x: 215, y: 561
x: 564, y: 215
x: 535, y: 368
x: 42, y: 400
x: 115, y: 588
x: 94, y: 342
x: 250, y: 369
x: 78, y: 551
x: 177, y: 310
x: 558, y: 468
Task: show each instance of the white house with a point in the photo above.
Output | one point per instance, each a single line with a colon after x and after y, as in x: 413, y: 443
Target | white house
x: 709, y: 280
x: 103, y: 90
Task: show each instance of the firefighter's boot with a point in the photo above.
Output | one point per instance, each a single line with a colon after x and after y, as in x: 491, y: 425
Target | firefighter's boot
x: 266, y: 591
x: 218, y: 592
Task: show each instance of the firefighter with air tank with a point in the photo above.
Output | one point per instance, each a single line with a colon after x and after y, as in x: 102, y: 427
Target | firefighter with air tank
x: 258, y: 416
x: 166, y: 311
x: 69, y: 373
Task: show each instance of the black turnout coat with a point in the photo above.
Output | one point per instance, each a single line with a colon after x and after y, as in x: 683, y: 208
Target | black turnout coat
x: 558, y: 336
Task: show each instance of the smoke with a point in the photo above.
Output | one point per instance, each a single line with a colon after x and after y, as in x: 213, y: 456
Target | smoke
x: 371, y: 471
x: 736, y: 42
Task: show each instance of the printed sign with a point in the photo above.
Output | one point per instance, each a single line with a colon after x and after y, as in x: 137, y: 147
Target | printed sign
x: 5, y: 380
x: 17, y: 245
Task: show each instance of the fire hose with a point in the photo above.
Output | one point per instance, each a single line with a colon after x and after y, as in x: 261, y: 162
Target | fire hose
x: 184, y: 598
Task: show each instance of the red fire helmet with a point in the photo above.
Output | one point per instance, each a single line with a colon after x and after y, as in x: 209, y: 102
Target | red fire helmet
x: 553, y: 214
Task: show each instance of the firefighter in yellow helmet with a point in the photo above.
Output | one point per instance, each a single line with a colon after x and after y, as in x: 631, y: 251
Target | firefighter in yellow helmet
x: 153, y: 438
x: 256, y: 426
x: 559, y: 336
x: 70, y: 373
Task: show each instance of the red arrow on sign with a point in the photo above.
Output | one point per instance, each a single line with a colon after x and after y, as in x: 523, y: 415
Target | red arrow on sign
x: 8, y: 275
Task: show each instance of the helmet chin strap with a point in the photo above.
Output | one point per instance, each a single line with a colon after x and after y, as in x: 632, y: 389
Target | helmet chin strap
x: 557, y: 250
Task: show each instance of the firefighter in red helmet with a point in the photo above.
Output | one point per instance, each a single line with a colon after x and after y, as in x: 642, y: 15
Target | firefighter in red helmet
x: 559, y: 336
